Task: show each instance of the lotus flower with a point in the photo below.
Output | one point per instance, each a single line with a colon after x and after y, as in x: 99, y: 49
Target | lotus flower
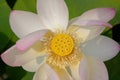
x: 56, y: 49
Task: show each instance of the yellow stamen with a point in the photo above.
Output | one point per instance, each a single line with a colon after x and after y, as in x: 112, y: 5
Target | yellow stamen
x: 62, y: 44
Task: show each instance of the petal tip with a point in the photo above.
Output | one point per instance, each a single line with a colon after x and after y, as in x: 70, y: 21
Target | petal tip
x: 7, y: 59
x: 119, y: 47
x: 3, y: 57
x: 13, y: 12
x: 112, y: 11
x: 12, y: 15
x: 109, y: 25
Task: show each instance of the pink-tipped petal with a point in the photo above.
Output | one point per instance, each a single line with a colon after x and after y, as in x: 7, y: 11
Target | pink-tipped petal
x: 92, y: 68
x: 89, y: 29
x: 15, y: 57
x: 53, y: 13
x: 29, y: 40
x: 101, y: 47
x: 34, y: 65
x: 91, y: 23
x: 101, y: 14
x: 23, y: 23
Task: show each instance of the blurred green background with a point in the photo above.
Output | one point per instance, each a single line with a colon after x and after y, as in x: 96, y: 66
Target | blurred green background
x: 76, y: 7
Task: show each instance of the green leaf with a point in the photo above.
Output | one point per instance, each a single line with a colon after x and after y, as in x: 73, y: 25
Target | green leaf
x: 27, y: 5
x: 4, y: 18
x: 6, y: 35
x: 5, y: 31
x: 28, y: 76
x: 77, y: 7
x: 113, y: 67
x: 15, y: 73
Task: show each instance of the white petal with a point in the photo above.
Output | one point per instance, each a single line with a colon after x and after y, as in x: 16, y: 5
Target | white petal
x: 92, y: 69
x: 41, y: 74
x: 101, y: 14
x: 75, y: 71
x: 53, y: 13
x: 33, y: 65
x: 101, y: 47
x: 15, y: 57
x: 63, y: 73
x: 52, y: 75
x: 23, y: 23
x: 26, y: 42
x: 45, y: 72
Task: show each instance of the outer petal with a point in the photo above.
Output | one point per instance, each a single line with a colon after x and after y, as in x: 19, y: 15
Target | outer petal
x: 34, y: 65
x: 15, y: 57
x: 88, y: 29
x: 101, y: 14
x: 45, y: 72
x: 85, y: 33
x: 53, y: 13
x: 91, y: 68
x: 101, y: 47
x: 90, y: 23
x: 23, y: 23
x: 30, y: 39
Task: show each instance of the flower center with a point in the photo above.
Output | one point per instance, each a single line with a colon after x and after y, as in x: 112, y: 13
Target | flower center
x: 62, y: 44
